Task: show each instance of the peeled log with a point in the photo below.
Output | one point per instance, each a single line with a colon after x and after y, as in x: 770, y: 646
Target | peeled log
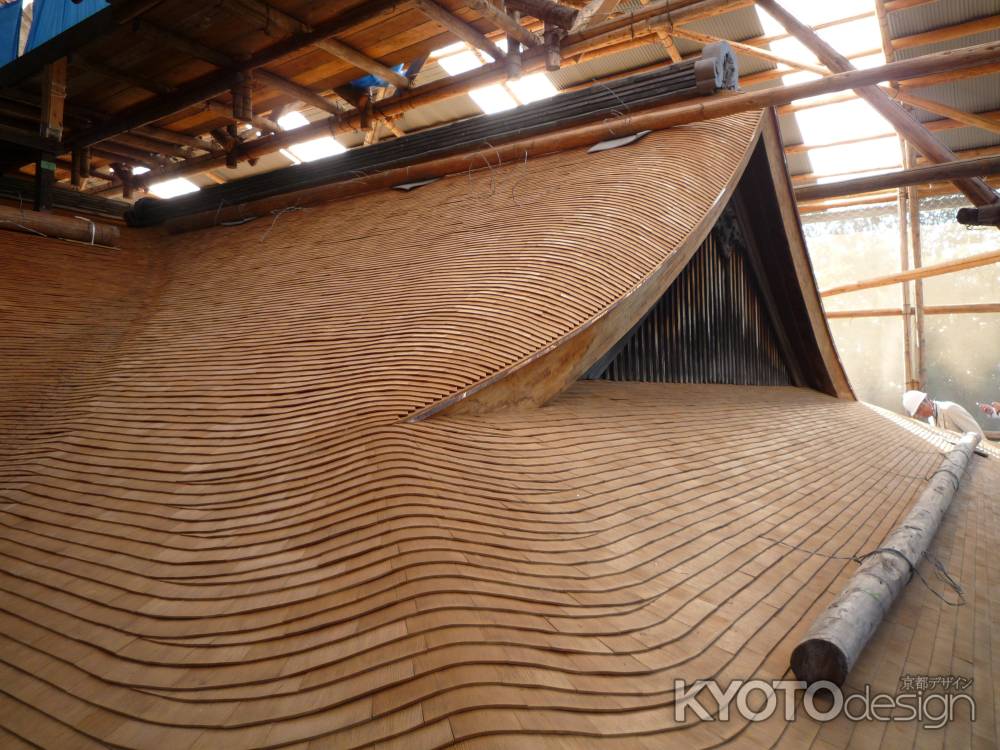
x: 59, y: 227
x: 835, y: 641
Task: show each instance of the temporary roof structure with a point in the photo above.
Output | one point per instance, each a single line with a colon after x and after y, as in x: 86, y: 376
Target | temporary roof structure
x: 496, y: 459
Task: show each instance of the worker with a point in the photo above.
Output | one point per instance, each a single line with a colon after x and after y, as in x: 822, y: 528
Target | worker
x: 946, y: 414
x: 990, y: 409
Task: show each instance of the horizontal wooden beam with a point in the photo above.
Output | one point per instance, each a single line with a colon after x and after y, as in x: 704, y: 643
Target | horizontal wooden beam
x: 981, y: 167
x: 880, y: 312
x: 937, y: 269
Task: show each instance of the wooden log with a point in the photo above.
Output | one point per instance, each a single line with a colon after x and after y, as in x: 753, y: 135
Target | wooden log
x: 984, y: 166
x: 982, y: 216
x: 905, y: 123
x: 835, y: 641
x: 360, y: 60
x: 299, y: 91
x: 937, y: 269
x: 60, y: 227
x: 507, y: 23
x: 464, y: 31
x: 978, y: 308
x: 547, y: 11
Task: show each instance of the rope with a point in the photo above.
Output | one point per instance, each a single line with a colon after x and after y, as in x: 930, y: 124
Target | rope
x: 93, y: 227
x: 942, y: 572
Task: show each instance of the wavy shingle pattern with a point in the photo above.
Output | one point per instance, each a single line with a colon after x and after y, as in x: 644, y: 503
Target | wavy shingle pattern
x: 216, y: 531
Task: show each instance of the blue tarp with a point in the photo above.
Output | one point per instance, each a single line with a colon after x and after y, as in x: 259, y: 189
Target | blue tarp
x: 371, y: 81
x: 52, y: 17
x: 10, y: 30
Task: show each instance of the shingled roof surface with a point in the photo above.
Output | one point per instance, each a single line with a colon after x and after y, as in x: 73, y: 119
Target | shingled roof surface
x: 218, y: 530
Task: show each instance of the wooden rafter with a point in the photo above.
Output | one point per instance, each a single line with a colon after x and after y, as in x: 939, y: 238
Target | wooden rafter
x: 946, y: 33
x: 464, y: 31
x: 908, y: 126
x: 972, y: 119
x: 764, y: 54
x: 299, y: 91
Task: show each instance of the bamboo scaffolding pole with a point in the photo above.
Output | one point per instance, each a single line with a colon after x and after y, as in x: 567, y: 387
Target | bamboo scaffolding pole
x: 938, y: 269
x: 913, y: 200
x: 980, y: 308
x: 836, y: 639
x: 902, y: 215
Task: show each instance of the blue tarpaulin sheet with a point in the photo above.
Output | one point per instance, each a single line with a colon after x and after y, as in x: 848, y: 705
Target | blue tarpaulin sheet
x: 52, y: 17
x: 10, y: 28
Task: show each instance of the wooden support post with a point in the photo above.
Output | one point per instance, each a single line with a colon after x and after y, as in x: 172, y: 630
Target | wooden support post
x: 124, y: 174
x: 902, y: 216
x: 232, y: 160
x: 553, y: 41
x: 514, y: 62
x: 50, y: 126
x: 53, y: 100
x: 243, y: 97
x: 906, y: 125
x: 75, y: 176
x: 835, y: 641
x: 85, y: 162
x: 920, y: 369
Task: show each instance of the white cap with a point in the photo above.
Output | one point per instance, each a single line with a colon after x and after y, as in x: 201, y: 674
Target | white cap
x: 912, y: 401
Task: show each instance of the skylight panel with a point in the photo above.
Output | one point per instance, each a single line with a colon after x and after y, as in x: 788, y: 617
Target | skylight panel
x: 318, y: 148
x: 879, y: 154
x: 292, y: 120
x: 460, y: 63
x: 173, y: 188
x: 532, y: 88
x: 493, y: 98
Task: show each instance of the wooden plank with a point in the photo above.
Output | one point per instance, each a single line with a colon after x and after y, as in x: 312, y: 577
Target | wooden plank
x: 937, y: 269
